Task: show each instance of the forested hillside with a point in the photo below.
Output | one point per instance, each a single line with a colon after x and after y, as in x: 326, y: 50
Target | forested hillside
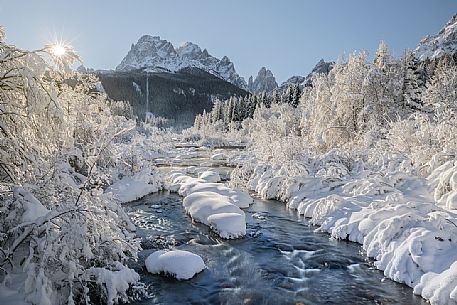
x: 178, y: 96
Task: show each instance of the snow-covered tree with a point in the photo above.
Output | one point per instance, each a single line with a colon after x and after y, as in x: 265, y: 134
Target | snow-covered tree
x: 414, y: 82
x: 441, y: 93
x: 60, y: 148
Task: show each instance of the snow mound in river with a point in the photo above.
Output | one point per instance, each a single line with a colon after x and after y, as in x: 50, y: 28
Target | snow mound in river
x: 212, y: 204
x: 238, y: 198
x: 210, y: 176
x: 183, y: 265
x: 216, y: 211
x: 219, y: 156
x: 228, y: 225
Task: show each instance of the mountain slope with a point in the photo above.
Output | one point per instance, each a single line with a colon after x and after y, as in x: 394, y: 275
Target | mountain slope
x: 264, y: 82
x: 176, y: 96
x: 445, y: 42
x: 322, y: 67
x: 158, y: 55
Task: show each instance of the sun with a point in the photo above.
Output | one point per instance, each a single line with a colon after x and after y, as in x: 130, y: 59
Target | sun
x: 58, y: 50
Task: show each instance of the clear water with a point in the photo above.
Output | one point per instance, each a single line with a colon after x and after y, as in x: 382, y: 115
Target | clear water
x: 280, y: 261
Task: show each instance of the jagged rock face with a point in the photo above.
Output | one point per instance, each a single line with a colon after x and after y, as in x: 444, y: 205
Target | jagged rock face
x: 445, y: 42
x: 322, y: 67
x: 158, y: 55
x: 264, y: 82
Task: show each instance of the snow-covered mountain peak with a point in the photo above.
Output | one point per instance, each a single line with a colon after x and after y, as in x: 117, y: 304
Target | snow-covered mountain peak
x: 225, y: 59
x: 445, y: 42
x: 264, y: 82
x: 322, y: 67
x: 156, y: 54
x: 148, y: 38
x: 189, y: 50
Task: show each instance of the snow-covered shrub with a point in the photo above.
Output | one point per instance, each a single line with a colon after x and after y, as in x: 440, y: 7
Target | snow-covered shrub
x: 60, y: 148
x: 444, y: 182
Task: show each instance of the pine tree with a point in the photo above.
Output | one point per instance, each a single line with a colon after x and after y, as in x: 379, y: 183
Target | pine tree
x: 296, y: 96
x: 228, y: 111
x: 382, y: 57
x: 414, y: 83
x: 276, y: 98
x: 441, y: 93
x: 216, y: 112
x: 265, y: 99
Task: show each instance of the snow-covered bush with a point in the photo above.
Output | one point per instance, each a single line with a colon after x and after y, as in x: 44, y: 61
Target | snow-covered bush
x: 60, y: 148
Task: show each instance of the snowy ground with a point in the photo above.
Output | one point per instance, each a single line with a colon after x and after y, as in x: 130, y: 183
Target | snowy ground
x: 404, y: 222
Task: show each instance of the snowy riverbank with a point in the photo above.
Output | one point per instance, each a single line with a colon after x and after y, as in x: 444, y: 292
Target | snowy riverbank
x: 402, y: 221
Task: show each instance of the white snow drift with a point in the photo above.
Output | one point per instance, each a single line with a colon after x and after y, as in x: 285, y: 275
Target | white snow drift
x: 182, y: 265
x: 210, y: 176
x: 216, y: 211
x: 412, y: 237
x: 212, y: 204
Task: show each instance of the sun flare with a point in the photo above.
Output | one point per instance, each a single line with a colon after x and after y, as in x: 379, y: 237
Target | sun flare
x: 58, y: 50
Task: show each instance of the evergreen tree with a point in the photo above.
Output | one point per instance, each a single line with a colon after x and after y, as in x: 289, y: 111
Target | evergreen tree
x: 382, y: 57
x: 414, y: 83
x: 296, y: 96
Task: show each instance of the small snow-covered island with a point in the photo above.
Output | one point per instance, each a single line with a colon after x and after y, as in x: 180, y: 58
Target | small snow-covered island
x: 159, y: 175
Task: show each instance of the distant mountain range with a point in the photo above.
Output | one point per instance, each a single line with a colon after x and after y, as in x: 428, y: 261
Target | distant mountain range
x: 158, y: 55
x: 185, y: 80
x: 153, y: 54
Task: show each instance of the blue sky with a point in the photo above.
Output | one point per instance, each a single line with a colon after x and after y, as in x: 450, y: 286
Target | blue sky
x: 286, y: 36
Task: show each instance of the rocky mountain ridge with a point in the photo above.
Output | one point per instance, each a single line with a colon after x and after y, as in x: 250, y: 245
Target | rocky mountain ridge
x: 153, y: 54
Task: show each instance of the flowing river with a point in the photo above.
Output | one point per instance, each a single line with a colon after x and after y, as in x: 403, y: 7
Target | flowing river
x: 281, y: 260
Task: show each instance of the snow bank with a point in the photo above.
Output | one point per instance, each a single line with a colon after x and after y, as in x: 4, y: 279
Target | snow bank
x: 183, y: 265
x: 210, y: 176
x: 116, y: 282
x: 219, y: 156
x: 412, y: 237
x: 212, y: 204
x: 440, y: 288
x: 135, y: 187
x: 186, y: 155
x: 444, y: 181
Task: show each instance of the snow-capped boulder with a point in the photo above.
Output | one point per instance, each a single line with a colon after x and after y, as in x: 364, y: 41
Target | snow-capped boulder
x: 210, y: 176
x: 203, y: 200
x: 216, y: 211
x: 182, y: 265
x: 228, y: 225
x: 219, y: 156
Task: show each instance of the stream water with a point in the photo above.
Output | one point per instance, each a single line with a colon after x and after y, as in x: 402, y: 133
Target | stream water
x: 282, y: 260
